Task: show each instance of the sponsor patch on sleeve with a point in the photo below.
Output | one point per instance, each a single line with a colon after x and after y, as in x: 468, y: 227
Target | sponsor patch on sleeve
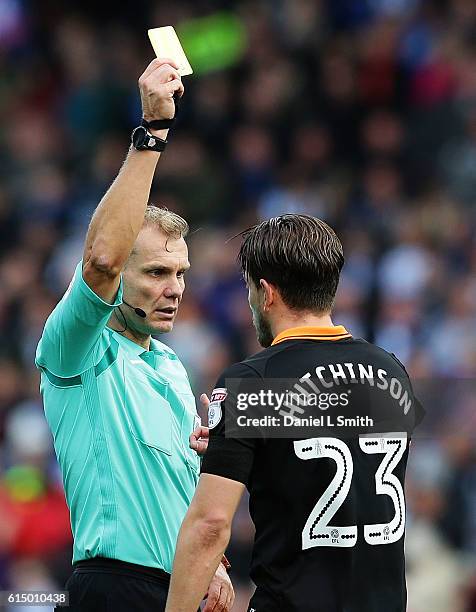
x: 214, y: 408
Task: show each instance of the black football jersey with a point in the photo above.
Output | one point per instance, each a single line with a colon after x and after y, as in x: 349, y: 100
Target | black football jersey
x: 329, y: 508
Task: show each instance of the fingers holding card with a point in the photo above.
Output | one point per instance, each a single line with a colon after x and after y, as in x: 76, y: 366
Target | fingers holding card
x: 167, y: 44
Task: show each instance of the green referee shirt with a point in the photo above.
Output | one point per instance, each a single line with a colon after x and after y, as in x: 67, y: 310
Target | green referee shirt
x: 121, y: 418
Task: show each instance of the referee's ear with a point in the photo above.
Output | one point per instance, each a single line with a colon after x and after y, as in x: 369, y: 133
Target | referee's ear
x: 269, y: 294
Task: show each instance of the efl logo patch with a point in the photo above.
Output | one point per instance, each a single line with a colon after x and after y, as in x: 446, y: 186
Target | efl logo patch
x: 214, y: 408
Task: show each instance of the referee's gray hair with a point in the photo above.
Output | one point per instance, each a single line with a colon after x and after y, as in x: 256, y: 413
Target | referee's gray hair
x: 170, y: 223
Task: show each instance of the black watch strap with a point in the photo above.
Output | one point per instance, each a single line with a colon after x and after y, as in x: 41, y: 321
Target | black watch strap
x: 143, y: 140
x: 162, y: 124
x: 158, y: 124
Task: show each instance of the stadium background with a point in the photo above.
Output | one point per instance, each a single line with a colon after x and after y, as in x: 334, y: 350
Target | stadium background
x: 362, y: 112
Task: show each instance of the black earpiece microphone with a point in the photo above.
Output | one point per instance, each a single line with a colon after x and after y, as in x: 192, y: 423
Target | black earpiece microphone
x: 139, y: 312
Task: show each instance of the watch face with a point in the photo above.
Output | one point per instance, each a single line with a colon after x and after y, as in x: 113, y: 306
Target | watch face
x: 139, y: 136
x: 142, y: 140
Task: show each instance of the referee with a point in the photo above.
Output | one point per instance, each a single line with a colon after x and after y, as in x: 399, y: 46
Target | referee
x: 118, y: 402
x: 328, y: 507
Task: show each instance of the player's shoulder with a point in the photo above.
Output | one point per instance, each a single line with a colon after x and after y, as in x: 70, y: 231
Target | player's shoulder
x: 351, y: 349
x: 379, y: 354
x: 259, y: 362
x: 240, y: 369
x: 350, y: 346
x: 235, y: 372
x: 255, y: 366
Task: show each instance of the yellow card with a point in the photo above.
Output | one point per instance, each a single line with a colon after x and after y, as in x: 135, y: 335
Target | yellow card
x: 167, y: 44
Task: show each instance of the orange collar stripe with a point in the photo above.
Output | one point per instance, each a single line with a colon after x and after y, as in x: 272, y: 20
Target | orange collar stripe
x: 337, y: 332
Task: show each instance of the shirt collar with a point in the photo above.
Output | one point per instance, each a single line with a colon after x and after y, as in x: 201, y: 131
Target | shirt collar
x: 135, y: 349
x: 132, y: 347
x: 335, y: 332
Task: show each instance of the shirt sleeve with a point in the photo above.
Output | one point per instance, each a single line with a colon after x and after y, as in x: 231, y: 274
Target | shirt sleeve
x: 230, y: 457
x: 71, y: 337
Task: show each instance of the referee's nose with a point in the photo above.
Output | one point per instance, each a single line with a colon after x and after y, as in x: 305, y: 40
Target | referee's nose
x: 174, y: 289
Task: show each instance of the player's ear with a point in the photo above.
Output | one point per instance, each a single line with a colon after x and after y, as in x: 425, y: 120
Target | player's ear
x: 268, y: 293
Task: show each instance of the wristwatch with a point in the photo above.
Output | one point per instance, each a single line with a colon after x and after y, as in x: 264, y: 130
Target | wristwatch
x: 143, y: 140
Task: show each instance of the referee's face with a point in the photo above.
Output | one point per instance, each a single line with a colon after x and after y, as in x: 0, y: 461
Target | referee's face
x: 154, y: 280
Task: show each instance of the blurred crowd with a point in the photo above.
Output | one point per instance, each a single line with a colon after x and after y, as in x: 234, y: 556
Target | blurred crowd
x: 361, y: 112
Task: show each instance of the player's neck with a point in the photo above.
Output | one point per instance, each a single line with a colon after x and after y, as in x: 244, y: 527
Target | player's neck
x: 301, y: 320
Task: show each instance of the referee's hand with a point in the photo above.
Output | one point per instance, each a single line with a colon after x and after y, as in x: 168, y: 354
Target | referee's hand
x: 198, y: 440
x: 158, y: 84
x: 220, y: 596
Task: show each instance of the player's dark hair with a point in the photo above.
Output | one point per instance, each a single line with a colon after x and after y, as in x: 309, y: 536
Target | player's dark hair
x: 299, y: 254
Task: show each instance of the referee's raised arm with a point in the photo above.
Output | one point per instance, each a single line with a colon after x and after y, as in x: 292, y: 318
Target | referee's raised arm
x: 70, y: 343
x: 120, y: 214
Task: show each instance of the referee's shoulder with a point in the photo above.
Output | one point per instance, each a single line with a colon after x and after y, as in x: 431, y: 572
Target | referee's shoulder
x: 157, y: 345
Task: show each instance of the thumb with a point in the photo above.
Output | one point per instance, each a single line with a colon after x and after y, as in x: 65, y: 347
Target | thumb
x: 204, y: 400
